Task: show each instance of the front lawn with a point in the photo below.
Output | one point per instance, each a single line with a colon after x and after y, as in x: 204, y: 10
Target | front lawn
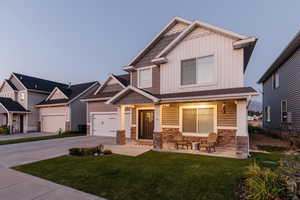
x: 33, y: 139
x: 153, y: 175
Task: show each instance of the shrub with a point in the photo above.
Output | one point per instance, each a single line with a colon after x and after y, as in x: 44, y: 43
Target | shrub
x: 107, y: 152
x: 255, y: 129
x: 75, y: 152
x: 4, y: 131
x: 270, y: 148
x: 264, y: 184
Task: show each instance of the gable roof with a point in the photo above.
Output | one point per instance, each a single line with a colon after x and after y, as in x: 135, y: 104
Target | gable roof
x: 285, y: 54
x: 10, y: 84
x: 71, y: 92
x: 163, y: 44
x: 33, y: 83
x: 11, y: 105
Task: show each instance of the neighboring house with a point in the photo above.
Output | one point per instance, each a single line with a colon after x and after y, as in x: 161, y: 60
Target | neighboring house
x: 62, y: 110
x: 19, y: 95
x: 188, y: 81
x: 281, y: 89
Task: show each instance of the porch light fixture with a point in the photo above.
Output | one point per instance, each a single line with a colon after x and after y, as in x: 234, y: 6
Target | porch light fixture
x: 224, y: 107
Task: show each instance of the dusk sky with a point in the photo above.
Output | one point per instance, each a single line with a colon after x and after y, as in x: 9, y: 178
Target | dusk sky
x: 84, y: 40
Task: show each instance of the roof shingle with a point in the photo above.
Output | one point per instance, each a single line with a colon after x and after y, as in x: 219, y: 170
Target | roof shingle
x: 11, y: 105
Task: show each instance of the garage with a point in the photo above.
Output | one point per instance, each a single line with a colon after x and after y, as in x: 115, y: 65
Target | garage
x: 53, y: 123
x: 106, y: 124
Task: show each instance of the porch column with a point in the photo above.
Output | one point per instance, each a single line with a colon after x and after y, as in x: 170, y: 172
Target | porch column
x: 121, y: 135
x: 242, y: 137
x: 10, y: 122
x: 157, y: 136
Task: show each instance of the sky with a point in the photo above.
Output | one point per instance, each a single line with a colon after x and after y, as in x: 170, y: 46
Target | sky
x: 85, y: 40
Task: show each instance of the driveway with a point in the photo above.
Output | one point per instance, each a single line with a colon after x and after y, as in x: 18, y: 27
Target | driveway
x: 15, y: 185
x: 24, y: 135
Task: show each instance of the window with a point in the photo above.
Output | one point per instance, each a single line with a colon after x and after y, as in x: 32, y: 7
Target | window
x: 197, y: 121
x: 268, y: 113
x: 198, y: 71
x: 22, y: 96
x: 275, y: 80
x: 145, y: 78
x: 284, y: 114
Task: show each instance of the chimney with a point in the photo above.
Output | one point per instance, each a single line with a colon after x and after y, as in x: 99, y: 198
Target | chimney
x: 70, y: 83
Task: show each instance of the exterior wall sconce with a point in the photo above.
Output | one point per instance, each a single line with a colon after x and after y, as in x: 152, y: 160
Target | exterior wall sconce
x: 224, y: 108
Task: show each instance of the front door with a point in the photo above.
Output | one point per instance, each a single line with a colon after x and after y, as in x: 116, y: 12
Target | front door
x: 21, y: 123
x: 146, y: 124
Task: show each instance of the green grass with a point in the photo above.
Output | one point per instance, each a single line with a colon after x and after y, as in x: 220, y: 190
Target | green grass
x: 33, y: 139
x: 270, y: 148
x: 153, y: 175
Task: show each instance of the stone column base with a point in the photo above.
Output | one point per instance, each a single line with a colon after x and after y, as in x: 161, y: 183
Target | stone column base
x: 157, y: 140
x: 88, y: 128
x: 121, y: 137
x: 242, y: 146
x: 67, y: 126
x: 133, y: 133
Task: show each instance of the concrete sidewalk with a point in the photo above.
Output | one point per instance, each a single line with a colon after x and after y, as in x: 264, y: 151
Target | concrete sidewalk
x: 15, y: 185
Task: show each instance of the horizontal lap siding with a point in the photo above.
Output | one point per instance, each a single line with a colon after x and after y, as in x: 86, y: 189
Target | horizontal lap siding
x: 229, y: 117
x: 170, y: 114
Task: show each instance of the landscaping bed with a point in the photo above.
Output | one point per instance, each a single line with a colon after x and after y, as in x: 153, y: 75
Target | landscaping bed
x: 153, y: 175
x: 33, y: 139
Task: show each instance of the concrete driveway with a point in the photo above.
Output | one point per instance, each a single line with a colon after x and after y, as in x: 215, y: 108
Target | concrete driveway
x: 15, y: 185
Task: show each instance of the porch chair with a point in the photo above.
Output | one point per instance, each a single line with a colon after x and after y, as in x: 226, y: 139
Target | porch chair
x: 210, y: 143
x: 180, y: 142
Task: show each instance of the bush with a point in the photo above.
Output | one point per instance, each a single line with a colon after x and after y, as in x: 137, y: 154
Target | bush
x: 255, y: 129
x: 75, y: 152
x: 107, y: 152
x: 4, y: 131
x: 264, y: 184
x: 270, y: 148
x: 87, y: 151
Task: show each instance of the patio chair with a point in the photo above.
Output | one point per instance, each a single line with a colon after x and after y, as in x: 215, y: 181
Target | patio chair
x: 210, y: 143
x: 180, y: 142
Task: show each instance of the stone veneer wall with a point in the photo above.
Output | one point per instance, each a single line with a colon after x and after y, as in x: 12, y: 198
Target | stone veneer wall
x: 133, y: 133
x: 88, y: 128
x: 226, y: 138
x: 121, y: 137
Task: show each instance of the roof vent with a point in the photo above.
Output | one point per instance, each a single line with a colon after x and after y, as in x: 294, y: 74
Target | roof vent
x: 21, y: 77
x: 70, y: 83
x: 35, y: 86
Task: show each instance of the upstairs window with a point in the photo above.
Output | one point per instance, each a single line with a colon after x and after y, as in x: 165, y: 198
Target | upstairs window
x: 145, y: 78
x: 22, y: 96
x: 198, y: 71
x: 275, y: 80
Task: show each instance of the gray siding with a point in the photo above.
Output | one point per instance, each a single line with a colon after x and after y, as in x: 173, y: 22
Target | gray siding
x: 289, y: 89
x: 33, y: 117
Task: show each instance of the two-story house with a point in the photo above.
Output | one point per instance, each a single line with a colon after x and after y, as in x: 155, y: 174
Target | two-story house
x: 281, y: 93
x: 20, y: 94
x: 188, y: 81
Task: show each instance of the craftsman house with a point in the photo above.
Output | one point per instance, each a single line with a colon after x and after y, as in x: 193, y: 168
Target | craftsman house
x: 188, y: 82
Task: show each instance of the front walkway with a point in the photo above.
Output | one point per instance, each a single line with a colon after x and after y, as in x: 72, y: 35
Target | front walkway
x: 24, y: 135
x: 15, y: 185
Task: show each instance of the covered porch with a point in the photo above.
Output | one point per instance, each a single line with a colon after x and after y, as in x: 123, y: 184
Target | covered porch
x: 12, y: 115
x: 162, y: 125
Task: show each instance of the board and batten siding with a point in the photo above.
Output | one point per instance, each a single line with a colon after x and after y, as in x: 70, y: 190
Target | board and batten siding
x: 289, y: 89
x: 200, y: 43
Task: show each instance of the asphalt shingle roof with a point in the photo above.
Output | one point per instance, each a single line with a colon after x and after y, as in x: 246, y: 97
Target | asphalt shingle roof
x: 11, y: 105
x: 34, y: 83
x: 71, y: 92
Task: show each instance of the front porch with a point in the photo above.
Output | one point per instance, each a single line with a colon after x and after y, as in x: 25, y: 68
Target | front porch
x: 13, y: 121
x: 158, y: 126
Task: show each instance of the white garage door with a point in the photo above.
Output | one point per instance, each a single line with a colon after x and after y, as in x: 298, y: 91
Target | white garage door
x: 52, y: 123
x: 106, y: 124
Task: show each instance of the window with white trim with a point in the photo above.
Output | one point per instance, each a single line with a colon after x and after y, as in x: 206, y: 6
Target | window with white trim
x: 197, y: 121
x: 268, y: 114
x: 22, y: 96
x: 198, y: 71
x: 284, y: 113
x: 145, y: 78
x: 275, y: 80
